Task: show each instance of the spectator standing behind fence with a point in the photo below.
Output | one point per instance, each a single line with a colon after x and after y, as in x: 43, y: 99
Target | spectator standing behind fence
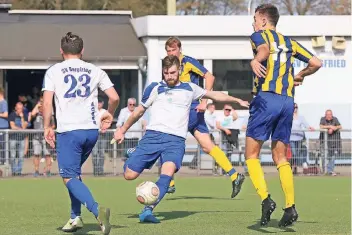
x: 18, y: 141
x: 98, y: 152
x: 229, y: 126
x: 210, y: 119
x: 134, y: 134
x: 27, y: 107
x: 40, y: 147
x: 299, y: 124
x: 332, y: 125
x: 4, y: 124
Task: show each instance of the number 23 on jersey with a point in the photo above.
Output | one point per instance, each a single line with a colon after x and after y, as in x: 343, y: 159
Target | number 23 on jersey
x: 78, y: 86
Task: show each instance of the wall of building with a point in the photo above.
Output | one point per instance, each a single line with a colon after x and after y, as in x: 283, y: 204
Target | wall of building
x: 211, y: 38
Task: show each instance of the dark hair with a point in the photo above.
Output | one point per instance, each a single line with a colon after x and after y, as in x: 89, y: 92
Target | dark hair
x: 71, y: 44
x: 171, y: 60
x: 270, y: 11
x: 171, y: 41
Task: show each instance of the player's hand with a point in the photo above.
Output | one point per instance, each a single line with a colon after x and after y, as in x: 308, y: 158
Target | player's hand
x: 49, y: 136
x: 258, y: 69
x: 118, y: 136
x: 105, y: 121
x: 243, y: 103
x: 227, y: 131
x: 298, y: 80
x: 201, y: 107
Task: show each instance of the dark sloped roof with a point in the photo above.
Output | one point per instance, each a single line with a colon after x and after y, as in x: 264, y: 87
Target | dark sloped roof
x: 37, y: 37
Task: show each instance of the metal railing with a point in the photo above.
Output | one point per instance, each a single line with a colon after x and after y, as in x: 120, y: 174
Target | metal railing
x: 318, y: 153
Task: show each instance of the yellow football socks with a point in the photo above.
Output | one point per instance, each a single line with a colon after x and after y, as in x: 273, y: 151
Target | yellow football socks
x: 172, y: 183
x: 222, y: 160
x: 286, y: 178
x: 257, y: 177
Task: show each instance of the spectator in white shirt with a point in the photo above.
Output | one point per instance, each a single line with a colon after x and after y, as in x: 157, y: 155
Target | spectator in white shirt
x: 210, y: 119
x: 228, y: 125
x: 299, y: 125
x: 134, y: 134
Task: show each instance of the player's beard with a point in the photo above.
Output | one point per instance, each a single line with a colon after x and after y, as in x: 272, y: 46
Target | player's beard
x: 171, y: 82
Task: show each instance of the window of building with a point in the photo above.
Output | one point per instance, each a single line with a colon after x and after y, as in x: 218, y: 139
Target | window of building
x: 235, y: 77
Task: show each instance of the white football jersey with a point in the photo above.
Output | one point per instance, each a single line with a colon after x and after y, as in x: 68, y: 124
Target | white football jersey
x: 170, y: 106
x: 75, y: 84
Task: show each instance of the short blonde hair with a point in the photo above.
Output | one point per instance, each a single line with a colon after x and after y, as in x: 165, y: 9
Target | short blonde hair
x: 171, y: 41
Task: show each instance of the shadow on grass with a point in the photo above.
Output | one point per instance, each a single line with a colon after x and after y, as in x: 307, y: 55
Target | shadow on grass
x: 198, y: 197
x: 275, y: 224
x: 91, y: 227
x: 172, y: 215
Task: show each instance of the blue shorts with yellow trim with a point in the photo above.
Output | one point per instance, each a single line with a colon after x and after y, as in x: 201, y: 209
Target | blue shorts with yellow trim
x: 197, y: 122
x: 270, y: 115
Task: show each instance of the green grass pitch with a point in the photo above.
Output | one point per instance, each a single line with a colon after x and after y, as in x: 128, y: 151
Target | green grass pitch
x: 201, y: 205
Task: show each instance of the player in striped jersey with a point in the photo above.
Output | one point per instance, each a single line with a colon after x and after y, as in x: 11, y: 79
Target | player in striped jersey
x: 271, y: 111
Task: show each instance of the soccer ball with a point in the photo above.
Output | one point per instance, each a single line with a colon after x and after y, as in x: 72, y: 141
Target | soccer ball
x: 147, y: 193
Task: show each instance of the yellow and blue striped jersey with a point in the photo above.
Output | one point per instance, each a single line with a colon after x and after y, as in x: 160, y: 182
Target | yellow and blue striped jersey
x: 279, y: 65
x: 191, y: 70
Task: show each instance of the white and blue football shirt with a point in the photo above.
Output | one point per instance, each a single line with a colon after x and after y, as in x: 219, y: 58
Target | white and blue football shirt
x: 170, y: 106
x: 75, y: 84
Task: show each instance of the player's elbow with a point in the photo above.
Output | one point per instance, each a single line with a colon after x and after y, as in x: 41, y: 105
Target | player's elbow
x: 114, y: 98
x: 315, y: 63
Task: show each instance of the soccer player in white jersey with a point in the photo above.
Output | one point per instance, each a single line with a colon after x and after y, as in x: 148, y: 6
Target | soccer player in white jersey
x: 169, y: 102
x: 74, y: 85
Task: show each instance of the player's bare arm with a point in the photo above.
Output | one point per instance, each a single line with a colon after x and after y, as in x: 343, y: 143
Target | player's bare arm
x: 234, y: 115
x: 263, y: 53
x: 209, y: 83
x: 114, y: 100
x: 47, y: 114
x: 134, y: 117
x: 220, y: 97
x: 314, y: 65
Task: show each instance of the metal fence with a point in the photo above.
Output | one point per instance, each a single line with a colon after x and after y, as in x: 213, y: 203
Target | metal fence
x: 318, y: 153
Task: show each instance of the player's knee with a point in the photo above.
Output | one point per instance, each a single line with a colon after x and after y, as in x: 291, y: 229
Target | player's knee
x: 205, y: 142
x: 168, y: 168
x: 252, y: 148
x: 129, y: 174
x: 66, y: 179
x: 279, y: 150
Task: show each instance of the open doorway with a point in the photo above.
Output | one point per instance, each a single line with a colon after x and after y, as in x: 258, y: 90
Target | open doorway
x: 26, y: 82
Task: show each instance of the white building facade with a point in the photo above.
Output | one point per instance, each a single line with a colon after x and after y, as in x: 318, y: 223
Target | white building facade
x: 221, y: 43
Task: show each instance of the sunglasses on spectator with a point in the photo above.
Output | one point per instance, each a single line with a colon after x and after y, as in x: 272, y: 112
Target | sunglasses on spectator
x: 296, y: 107
x: 228, y: 110
x: 132, y: 104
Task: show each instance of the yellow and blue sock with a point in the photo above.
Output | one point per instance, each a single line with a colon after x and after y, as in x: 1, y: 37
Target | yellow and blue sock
x: 81, y: 192
x: 257, y: 177
x: 286, y: 178
x: 222, y: 160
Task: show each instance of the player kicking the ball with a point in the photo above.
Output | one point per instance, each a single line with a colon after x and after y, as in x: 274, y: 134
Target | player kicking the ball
x: 170, y: 102
x: 74, y: 84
